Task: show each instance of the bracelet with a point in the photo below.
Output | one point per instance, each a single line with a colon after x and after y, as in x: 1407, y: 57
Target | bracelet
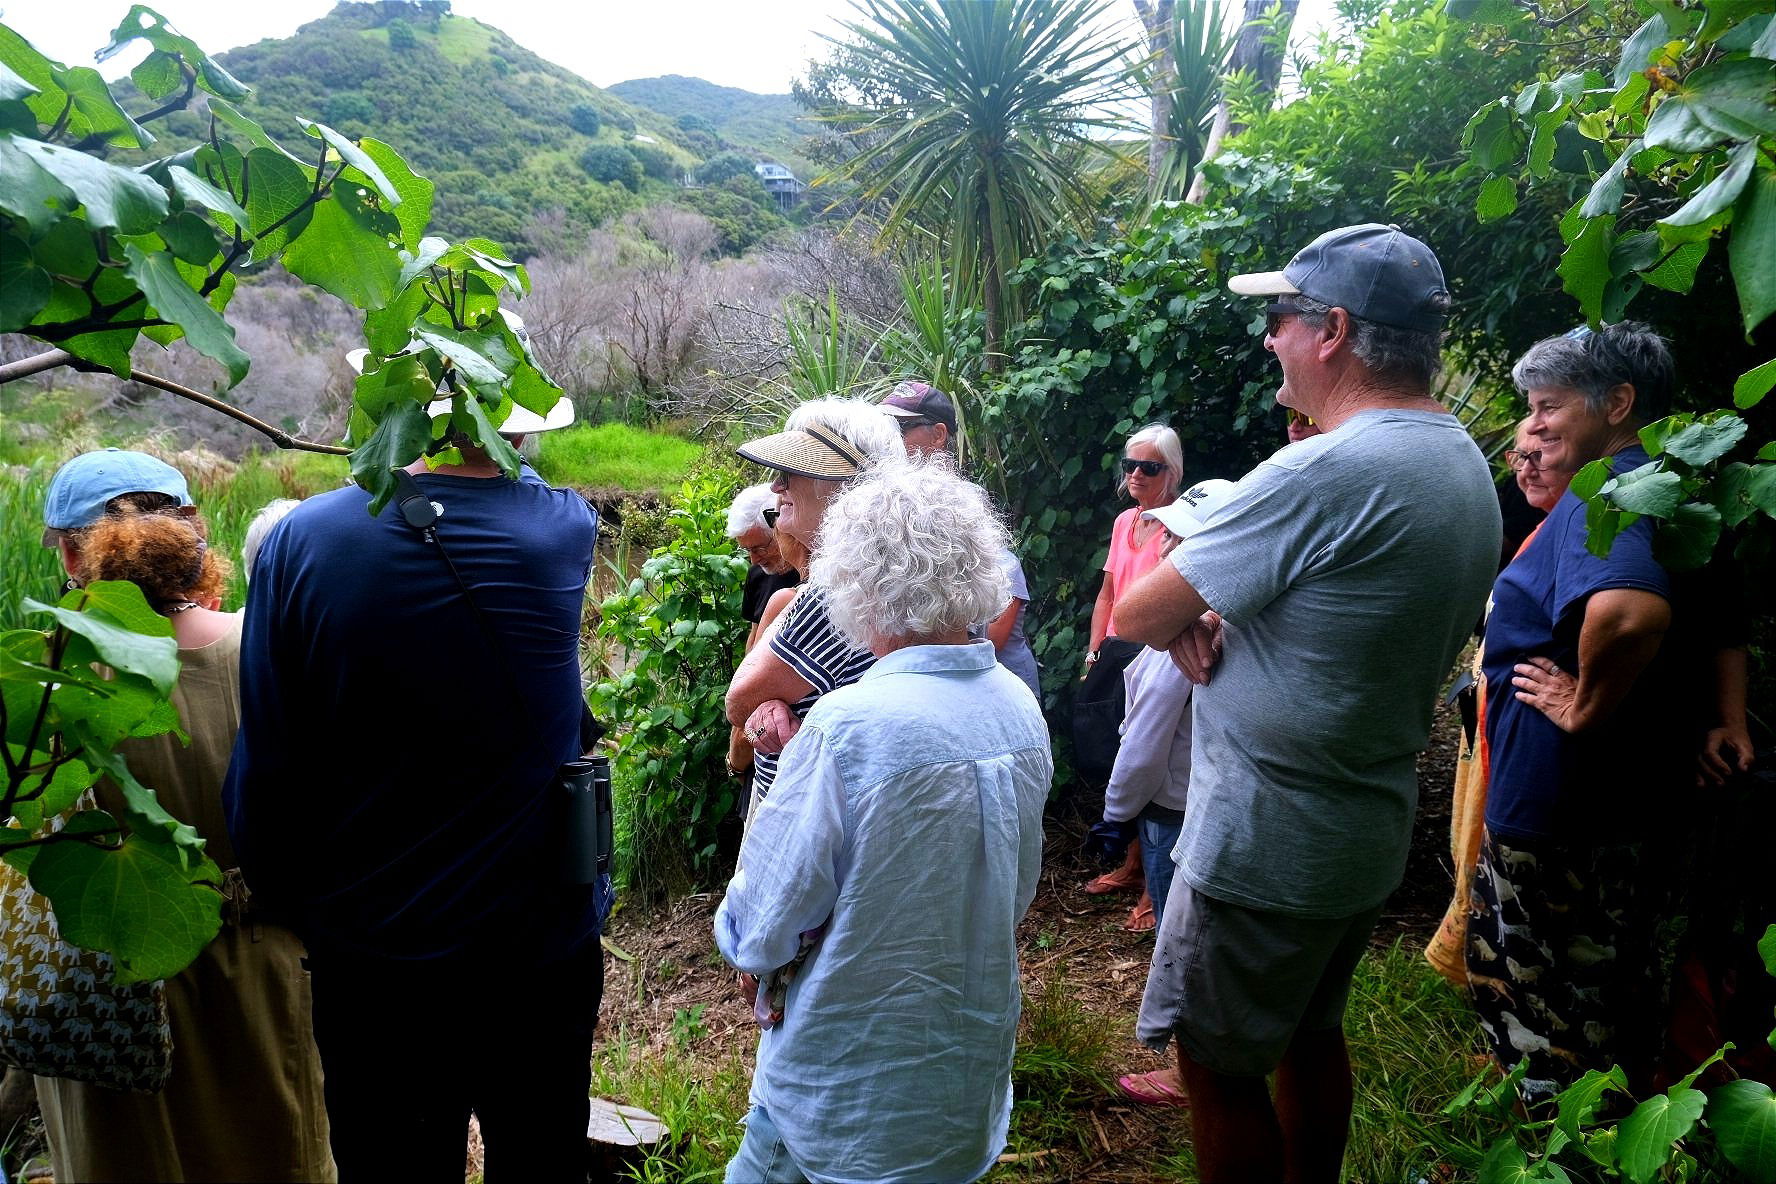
x: 1091, y: 656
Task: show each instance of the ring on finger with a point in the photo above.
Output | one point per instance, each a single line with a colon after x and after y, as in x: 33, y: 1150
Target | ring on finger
x: 1553, y: 669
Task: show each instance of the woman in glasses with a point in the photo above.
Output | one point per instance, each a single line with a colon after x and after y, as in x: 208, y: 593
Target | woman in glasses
x: 1150, y: 472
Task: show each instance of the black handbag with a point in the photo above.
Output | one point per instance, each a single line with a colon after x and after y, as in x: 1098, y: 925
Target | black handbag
x: 1098, y: 708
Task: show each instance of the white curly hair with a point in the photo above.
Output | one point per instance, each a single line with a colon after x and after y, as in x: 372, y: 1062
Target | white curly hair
x: 865, y: 426
x: 747, y: 510
x: 910, y: 550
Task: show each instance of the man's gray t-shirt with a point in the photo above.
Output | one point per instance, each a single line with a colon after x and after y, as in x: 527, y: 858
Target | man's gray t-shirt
x: 1349, y: 569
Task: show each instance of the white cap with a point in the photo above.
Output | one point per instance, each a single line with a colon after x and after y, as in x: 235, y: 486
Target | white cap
x: 1194, y: 507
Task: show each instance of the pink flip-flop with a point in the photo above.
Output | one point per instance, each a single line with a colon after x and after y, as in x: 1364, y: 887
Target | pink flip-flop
x: 1151, y: 1089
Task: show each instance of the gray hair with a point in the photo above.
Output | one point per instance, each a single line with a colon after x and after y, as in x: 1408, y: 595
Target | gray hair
x: 1409, y: 357
x: 911, y: 550
x: 1165, y: 442
x: 865, y: 426
x: 269, y: 516
x: 1594, y: 363
x: 748, y: 510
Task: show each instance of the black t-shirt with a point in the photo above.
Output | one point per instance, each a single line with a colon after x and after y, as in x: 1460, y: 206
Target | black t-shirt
x: 761, y: 585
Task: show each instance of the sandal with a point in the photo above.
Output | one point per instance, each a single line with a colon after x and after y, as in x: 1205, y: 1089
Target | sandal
x: 1152, y: 1089
x: 1141, y: 918
x: 1117, y: 881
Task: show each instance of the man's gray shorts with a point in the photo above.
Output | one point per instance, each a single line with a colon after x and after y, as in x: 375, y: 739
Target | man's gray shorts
x: 1235, y: 984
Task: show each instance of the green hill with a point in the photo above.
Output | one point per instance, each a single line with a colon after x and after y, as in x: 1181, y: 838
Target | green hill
x: 767, y: 126
x: 501, y: 131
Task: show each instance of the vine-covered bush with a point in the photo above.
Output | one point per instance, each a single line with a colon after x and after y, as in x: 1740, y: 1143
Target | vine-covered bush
x: 679, y: 631
x: 1135, y: 326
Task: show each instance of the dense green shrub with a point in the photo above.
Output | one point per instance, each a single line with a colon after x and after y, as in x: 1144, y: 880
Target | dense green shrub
x: 656, y: 162
x: 741, y: 222
x: 679, y: 628
x: 1133, y: 326
x: 612, y: 163
x: 719, y: 168
x: 584, y: 118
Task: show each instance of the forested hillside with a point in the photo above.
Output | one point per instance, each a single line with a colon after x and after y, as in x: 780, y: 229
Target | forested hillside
x: 508, y: 137
x: 773, y: 125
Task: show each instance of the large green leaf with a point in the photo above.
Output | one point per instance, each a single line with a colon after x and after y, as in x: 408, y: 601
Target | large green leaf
x: 115, y: 198
x: 144, y: 22
x: 279, y: 194
x: 1741, y: 489
x: 1647, y: 490
x: 1498, y: 199
x: 13, y: 87
x: 1752, y: 250
x: 24, y: 287
x: 345, y: 249
x: 194, y: 190
x: 498, y: 449
x: 483, y: 357
x: 157, y: 75
x: 1730, y: 100
x: 1644, y: 1140
x: 1687, y: 540
x: 353, y: 156
x: 1701, y: 443
x: 396, y: 381
x: 1750, y: 388
x: 145, y: 816
x: 1743, y: 1117
x: 28, y: 191
x: 415, y: 211
x: 115, y: 619
x: 140, y: 902
x: 176, y: 301
x: 1584, y: 267
x: 1577, y: 1104
x: 1638, y: 50
x: 1606, y: 194
x: 396, y: 443
x: 1720, y: 193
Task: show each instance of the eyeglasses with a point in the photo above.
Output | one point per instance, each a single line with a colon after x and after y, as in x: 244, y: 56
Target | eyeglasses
x: 1523, y: 460
x: 1275, y: 314
x: 770, y: 517
x: 1147, y: 468
x: 907, y: 423
x: 1296, y: 417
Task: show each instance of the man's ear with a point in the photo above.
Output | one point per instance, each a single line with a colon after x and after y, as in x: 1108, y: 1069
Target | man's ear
x: 1618, y: 403
x: 1335, y: 332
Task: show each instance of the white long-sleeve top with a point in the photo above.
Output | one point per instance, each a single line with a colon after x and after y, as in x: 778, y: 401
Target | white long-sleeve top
x: 1153, y: 763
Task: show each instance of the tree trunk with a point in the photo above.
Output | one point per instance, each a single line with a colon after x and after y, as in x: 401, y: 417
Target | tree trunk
x: 1157, y: 17
x: 1252, y: 53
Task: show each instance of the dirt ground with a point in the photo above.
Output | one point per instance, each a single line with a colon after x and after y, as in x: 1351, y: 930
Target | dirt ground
x: 673, y: 966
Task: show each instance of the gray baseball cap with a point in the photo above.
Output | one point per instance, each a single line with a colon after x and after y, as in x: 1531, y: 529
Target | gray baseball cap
x: 1375, y: 272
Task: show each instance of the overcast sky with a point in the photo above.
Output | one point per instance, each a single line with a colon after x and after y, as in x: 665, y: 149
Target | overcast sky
x: 756, y: 45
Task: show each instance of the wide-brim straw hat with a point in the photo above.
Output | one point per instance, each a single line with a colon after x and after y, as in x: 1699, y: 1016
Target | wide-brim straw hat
x: 813, y: 451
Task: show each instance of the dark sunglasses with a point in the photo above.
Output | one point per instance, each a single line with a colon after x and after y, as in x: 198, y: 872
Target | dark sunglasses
x: 1275, y: 314
x: 1298, y: 417
x: 1147, y: 468
x: 770, y: 517
x: 907, y: 423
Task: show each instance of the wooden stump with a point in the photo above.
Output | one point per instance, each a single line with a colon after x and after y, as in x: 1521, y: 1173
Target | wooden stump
x: 620, y: 1137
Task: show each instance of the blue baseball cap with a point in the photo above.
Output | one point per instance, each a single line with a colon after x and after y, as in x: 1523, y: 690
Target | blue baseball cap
x: 1375, y: 272
x: 81, y: 488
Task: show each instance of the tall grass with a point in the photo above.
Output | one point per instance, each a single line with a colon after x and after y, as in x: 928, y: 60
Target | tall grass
x: 27, y: 567
x: 701, y: 1104
x: 612, y: 455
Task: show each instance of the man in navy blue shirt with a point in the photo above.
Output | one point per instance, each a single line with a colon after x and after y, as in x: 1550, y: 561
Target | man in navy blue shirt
x: 392, y: 797
x: 1590, y: 688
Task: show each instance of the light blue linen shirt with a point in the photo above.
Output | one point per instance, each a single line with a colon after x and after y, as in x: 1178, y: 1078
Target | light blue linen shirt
x: 906, y: 818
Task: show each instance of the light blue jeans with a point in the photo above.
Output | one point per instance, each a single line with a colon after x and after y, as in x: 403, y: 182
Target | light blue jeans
x: 1159, y: 829
x: 762, y: 1158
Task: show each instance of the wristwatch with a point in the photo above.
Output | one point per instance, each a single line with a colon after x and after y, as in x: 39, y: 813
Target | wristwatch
x: 1091, y: 656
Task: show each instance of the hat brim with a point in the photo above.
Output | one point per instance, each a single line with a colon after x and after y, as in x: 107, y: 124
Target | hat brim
x: 799, y: 453
x: 522, y: 421
x: 902, y: 412
x: 1175, y: 517
x: 1262, y: 283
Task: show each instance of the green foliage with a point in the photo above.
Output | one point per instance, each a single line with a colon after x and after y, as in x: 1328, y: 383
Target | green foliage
x: 700, y: 1103
x: 612, y: 164
x: 401, y: 37
x: 656, y: 162
x: 1128, y: 328
x: 1676, y: 145
x: 708, y: 118
x: 135, y: 884
x: 1061, y: 1065
x: 613, y: 455
x: 717, y: 169
x: 680, y: 631
x: 584, y: 118
x: 1202, y: 42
